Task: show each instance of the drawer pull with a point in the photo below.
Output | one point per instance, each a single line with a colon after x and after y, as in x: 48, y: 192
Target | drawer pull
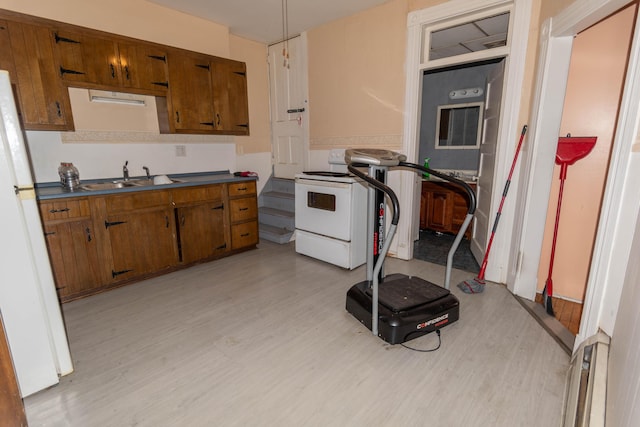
x: 59, y: 210
x: 245, y: 235
x: 242, y: 189
x: 243, y: 209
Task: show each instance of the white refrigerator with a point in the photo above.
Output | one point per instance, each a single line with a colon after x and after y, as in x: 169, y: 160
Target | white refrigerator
x: 28, y: 302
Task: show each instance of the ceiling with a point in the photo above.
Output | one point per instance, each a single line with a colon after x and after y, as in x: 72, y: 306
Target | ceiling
x: 261, y: 20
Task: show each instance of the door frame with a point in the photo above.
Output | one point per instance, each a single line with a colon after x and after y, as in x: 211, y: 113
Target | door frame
x: 621, y: 201
x: 453, y: 11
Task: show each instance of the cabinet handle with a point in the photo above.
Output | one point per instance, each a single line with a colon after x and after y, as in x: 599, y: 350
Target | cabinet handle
x: 182, y: 221
x: 166, y: 220
x: 218, y: 116
x: 111, y: 224
x: 165, y: 84
x: 245, y: 235
x: 64, y: 71
x: 88, y: 231
x: 115, y: 274
x: 64, y: 39
x: 113, y: 71
x: 158, y: 57
x: 126, y: 72
x: 58, y: 109
x: 50, y: 233
x: 53, y: 211
x: 177, y: 117
x: 218, y: 207
x: 222, y: 246
x: 243, y: 209
x: 242, y: 189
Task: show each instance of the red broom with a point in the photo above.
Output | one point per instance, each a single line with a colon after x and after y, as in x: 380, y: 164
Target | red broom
x: 476, y: 286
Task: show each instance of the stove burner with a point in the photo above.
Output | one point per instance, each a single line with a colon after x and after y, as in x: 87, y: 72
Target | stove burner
x: 328, y: 173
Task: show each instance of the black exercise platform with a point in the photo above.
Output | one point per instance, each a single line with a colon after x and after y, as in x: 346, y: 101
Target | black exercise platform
x: 408, y: 307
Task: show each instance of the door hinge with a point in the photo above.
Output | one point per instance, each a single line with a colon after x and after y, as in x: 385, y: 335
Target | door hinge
x: 108, y: 224
x: 64, y: 39
x: 115, y: 274
x: 222, y: 246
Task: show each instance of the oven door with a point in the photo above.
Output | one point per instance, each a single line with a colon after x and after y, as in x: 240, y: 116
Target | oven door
x: 324, y: 207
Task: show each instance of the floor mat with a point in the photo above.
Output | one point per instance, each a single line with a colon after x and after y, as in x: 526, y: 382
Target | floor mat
x: 434, y: 247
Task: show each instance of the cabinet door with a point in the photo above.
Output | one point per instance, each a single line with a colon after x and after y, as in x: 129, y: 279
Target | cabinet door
x: 202, y: 231
x: 230, y: 96
x: 74, y: 257
x: 87, y: 59
x: 190, y: 92
x: 440, y: 210
x: 43, y: 101
x: 142, y: 242
x: 143, y: 67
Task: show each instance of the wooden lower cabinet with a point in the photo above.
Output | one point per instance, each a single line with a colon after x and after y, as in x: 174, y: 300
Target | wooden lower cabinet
x: 243, y: 207
x: 96, y: 243
x: 201, y: 231
x: 142, y: 242
x: 74, y: 257
x: 443, y: 207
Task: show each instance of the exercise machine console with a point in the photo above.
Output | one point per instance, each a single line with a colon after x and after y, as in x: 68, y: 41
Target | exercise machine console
x: 397, y: 307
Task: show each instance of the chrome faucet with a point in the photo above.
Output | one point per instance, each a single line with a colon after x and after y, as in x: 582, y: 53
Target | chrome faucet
x: 125, y: 171
x: 146, y: 169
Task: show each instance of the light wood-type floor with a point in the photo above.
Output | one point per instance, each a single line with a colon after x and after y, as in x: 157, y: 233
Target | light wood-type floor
x: 263, y: 339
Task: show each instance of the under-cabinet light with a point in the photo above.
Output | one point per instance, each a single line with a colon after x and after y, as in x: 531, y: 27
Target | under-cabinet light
x: 116, y: 98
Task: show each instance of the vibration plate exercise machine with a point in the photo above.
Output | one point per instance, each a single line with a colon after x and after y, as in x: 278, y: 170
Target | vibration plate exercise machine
x: 397, y: 307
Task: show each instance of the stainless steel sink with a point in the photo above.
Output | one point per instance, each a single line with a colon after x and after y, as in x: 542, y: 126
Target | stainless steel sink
x: 146, y: 182
x: 106, y: 185
x: 114, y: 185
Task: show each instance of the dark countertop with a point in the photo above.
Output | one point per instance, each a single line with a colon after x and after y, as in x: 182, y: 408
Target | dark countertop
x: 54, y: 190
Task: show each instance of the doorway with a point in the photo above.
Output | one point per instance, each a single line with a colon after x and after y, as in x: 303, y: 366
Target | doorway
x: 451, y: 15
x: 288, y: 106
x: 464, y: 147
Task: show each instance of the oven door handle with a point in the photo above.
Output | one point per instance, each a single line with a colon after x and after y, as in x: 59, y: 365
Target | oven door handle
x: 312, y: 183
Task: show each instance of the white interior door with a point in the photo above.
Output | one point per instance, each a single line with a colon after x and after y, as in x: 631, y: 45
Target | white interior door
x: 486, y: 169
x: 289, y: 112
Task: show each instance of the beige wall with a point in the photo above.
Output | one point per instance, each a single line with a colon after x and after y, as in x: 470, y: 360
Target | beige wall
x: 254, y: 54
x: 596, y: 74
x: 357, y: 79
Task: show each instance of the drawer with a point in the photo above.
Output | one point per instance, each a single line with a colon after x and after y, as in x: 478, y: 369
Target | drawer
x: 133, y: 201
x: 241, y: 189
x: 198, y: 194
x: 243, y: 209
x: 244, y: 235
x: 64, y: 209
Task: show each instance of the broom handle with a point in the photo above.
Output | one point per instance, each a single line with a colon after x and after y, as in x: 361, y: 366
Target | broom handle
x: 563, y: 176
x: 504, y: 196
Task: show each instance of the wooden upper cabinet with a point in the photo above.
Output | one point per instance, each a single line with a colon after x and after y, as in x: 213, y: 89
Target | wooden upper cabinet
x: 106, y: 62
x: 143, y: 67
x: 27, y: 53
x: 86, y: 58
x: 230, y: 96
x: 191, y: 103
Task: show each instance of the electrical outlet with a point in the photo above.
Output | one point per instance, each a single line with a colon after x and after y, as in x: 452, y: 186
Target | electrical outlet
x: 181, y: 151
